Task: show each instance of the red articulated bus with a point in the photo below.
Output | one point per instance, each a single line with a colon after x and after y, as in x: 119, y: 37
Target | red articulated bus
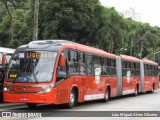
x: 64, y: 72
x: 130, y: 74
x: 151, y: 78
x: 5, y: 55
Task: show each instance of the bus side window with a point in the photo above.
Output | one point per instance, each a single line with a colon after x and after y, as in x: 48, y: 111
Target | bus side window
x: 97, y: 64
x: 82, y: 70
x: 124, y: 65
x: 109, y: 66
x: 61, y: 71
x: 104, y: 66
x: 73, y: 62
x: 112, y: 67
x: 89, y: 64
x: 146, y: 69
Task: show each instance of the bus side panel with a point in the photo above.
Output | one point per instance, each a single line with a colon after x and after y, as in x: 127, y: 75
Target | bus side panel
x: 134, y: 81
x: 63, y: 90
x: 84, y: 84
x: 95, y: 90
x: 112, y: 82
x: 148, y: 83
x: 156, y: 82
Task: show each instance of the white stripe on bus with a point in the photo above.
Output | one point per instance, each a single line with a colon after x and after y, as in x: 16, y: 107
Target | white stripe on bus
x: 93, y: 97
x: 128, y: 92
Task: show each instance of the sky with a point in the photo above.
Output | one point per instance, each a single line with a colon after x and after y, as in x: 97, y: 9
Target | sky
x: 146, y: 11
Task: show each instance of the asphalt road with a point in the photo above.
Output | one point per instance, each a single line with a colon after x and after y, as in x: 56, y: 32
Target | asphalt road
x: 126, y: 105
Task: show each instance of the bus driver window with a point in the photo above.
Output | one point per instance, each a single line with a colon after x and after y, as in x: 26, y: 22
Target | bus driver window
x: 61, y: 70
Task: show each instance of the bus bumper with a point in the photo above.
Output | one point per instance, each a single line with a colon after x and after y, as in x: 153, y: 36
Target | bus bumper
x: 42, y: 98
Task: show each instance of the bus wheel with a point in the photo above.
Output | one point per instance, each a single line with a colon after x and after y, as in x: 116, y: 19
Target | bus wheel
x: 107, y: 95
x: 136, y: 91
x: 31, y: 105
x: 72, y: 100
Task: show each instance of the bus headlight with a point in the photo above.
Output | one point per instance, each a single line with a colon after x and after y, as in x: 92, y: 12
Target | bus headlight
x: 6, y: 89
x: 48, y: 90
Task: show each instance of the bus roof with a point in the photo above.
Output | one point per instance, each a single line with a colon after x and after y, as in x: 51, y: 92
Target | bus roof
x: 129, y: 58
x: 85, y: 48
x: 57, y: 44
x: 6, y: 50
x: 94, y: 50
x: 149, y: 62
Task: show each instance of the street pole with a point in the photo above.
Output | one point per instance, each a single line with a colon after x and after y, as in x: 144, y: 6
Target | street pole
x: 142, y: 41
x: 141, y: 51
x: 155, y: 55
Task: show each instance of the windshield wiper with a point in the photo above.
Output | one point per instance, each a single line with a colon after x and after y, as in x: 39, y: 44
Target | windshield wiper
x: 35, y: 78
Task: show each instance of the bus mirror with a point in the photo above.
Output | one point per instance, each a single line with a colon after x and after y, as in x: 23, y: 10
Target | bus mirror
x: 3, y: 60
x: 62, y: 61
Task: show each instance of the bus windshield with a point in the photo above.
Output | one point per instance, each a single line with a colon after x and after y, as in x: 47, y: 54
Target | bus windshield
x: 8, y: 56
x: 31, y: 66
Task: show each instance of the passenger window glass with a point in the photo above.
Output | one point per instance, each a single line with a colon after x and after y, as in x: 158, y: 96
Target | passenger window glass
x: 82, y: 63
x: 89, y: 64
x: 105, y: 68
x: 73, y: 62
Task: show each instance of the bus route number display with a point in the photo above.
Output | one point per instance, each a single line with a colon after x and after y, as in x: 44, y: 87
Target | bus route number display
x: 37, y: 55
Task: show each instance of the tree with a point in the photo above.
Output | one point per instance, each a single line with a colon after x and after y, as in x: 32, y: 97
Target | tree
x: 8, y: 7
x: 84, y: 21
x: 109, y: 33
x: 35, y: 25
x: 72, y: 19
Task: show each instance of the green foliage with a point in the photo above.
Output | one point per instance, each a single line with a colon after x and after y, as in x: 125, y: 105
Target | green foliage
x: 74, y: 20
x: 82, y: 21
x: 22, y: 30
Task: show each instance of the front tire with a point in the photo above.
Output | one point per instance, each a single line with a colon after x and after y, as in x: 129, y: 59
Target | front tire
x: 136, y: 91
x: 72, y: 100
x: 107, y: 95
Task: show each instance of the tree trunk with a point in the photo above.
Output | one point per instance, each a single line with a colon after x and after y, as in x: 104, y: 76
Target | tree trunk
x: 131, y: 46
x: 100, y: 44
x: 111, y: 45
x: 6, y: 3
x: 35, y: 24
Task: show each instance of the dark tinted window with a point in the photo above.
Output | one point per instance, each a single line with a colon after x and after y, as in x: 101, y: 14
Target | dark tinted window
x: 89, y: 64
x: 73, y: 62
x: 82, y: 63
